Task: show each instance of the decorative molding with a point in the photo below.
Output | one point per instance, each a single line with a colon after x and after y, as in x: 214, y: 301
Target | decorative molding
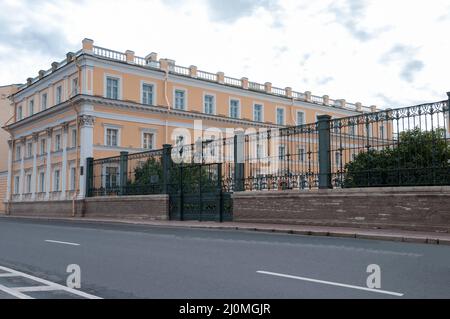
x: 86, y: 120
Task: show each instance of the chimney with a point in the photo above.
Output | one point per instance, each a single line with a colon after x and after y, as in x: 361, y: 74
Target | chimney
x: 55, y: 66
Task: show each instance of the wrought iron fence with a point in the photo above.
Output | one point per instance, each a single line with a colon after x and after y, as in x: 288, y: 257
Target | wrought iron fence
x: 399, y: 147
x: 127, y: 174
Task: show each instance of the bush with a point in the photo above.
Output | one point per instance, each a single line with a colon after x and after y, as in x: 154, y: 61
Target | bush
x: 419, y: 158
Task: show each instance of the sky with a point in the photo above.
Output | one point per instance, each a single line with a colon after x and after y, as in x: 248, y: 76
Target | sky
x: 388, y: 53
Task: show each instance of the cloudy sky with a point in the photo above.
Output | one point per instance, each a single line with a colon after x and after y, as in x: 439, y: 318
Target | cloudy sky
x: 385, y: 52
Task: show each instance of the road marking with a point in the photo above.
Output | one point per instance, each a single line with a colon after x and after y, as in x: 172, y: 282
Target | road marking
x: 17, y: 292
x: 61, y: 242
x: 36, y: 288
x: 7, y: 275
x: 14, y: 293
x: 331, y: 283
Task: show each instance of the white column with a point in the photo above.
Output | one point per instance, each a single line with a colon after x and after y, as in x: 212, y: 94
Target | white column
x: 10, y: 158
x: 86, y: 123
x: 64, y: 161
x: 48, y: 172
x: 33, y: 177
x: 22, y: 169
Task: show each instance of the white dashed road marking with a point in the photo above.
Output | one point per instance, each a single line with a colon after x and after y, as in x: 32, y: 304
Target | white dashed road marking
x: 20, y: 292
x: 331, y: 283
x: 61, y: 242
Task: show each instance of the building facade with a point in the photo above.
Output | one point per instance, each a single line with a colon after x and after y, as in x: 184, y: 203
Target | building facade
x: 99, y: 102
x: 6, y: 114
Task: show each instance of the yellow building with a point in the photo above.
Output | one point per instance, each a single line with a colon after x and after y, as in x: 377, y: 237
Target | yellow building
x: 6, y: 114
x: 99, y: 102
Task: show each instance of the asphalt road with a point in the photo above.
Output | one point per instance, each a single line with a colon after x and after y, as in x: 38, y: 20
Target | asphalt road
x: 133, y: 261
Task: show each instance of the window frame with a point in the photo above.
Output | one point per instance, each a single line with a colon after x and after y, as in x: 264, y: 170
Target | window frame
x: 119, y: 86
x: 214, y: 104
x: 262, y: 111
x: 58, y: 94
x: 153, y: 102
x: 304, y: 117
x: 175, y: 89
x: 118, y: 138
x: 239, y: 107
x: 280, y: 108
x: 153, y: 142
x: 44, y: 105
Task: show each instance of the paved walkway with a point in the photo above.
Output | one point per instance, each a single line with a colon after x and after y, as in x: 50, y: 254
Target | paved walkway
x: 346, y: 232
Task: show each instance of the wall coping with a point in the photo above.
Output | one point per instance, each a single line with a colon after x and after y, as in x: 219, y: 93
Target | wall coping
x: 128, y: 198
x: 373, y: 191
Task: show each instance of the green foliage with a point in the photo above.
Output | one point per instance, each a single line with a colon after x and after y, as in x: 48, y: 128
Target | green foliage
x: 419, y: 158
x: 148, y: 178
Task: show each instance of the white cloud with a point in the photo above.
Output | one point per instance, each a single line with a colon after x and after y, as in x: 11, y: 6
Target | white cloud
x: 340, y: 48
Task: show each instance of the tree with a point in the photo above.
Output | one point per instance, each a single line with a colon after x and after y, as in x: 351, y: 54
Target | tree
x: 419, y: 158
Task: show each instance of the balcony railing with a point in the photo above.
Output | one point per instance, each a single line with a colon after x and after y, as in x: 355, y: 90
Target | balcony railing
x: 207, y: 76
x: 181, y: 70
x: 256, y: 86
x: 233, y: 81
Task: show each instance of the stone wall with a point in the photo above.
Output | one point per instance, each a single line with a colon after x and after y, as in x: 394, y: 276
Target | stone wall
x: 409, y: 208
x: 126, y: 207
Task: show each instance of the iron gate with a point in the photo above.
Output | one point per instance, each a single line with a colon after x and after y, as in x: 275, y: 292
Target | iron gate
x: 196, y: 193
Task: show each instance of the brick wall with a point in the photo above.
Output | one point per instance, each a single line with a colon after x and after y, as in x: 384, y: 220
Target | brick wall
x: 409, y: 208
x: 127, y: 207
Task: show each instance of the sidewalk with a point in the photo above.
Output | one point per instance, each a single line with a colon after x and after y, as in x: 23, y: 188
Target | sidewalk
x: 342, y: 232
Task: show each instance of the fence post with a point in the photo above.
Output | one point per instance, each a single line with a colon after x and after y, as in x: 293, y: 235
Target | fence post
x: 166, y: 165
x: 324, y: 151
x: 89, y: 176
x: 239, y: 162
x: 448, y: 115
x: 123, y: 172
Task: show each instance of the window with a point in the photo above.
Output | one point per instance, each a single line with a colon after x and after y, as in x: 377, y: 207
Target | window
x: 57, y: 142
x: 112, y: 88
x: 147, y: 94
x: 337, y: 160
x: 31, y: 108
x: 180, y: 99
x: 28, y: 189
x: 258, y: 113
x: 281, y: 152
x: 74, y: 138
x: 234, y: 109
x: 112, y: 137
x: 18, y: 152
x: 44, y: 101
x: 382, y: 132
x: 43, y: 148
x: 73, y: 172
x: 19, y: 113
x: 301, y: 155
x: 74, y: 86
x: 56, y: 180
x: 16, y: 184
x: 280, y: 116
x: 111, y: 176
x: 41, y: 182
x: 301, y: 118
x: 210, y: 104
x: 352, y: 129
x: 58, y: 98
x: 29, y: 149
x: 147, y: 141
x: 259, y: 149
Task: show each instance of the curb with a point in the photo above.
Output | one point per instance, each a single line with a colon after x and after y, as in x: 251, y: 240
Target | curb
x: 317, y: 233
